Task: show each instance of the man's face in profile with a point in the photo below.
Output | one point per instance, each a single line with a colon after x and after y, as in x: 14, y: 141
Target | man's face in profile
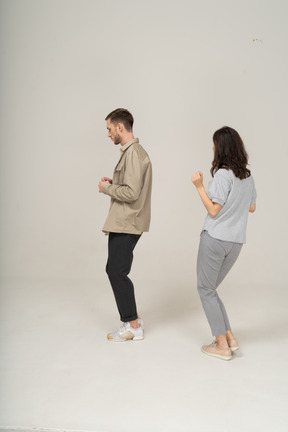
x: 112, y: 132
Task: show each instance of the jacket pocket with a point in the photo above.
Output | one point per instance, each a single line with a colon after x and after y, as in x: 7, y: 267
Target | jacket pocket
x: 119, y: 173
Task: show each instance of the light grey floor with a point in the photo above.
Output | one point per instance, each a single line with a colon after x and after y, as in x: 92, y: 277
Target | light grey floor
x: 58, y: 371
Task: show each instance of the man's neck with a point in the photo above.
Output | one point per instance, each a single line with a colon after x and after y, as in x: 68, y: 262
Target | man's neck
x: 125, y: 139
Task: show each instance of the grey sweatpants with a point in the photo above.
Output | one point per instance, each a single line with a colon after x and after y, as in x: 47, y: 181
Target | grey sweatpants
x: 215, y: 259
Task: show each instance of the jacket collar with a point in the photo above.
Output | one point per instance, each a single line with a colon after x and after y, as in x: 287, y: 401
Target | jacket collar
x: 128, y: 144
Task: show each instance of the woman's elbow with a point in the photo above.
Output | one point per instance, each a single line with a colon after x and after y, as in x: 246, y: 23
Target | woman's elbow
x: 213, y: 212
x: 252, y: 208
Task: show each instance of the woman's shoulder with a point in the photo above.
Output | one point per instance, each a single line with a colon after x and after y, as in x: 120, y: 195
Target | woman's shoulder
x: 227, y: 176
x: 225, y: 173
x: 250, y: 180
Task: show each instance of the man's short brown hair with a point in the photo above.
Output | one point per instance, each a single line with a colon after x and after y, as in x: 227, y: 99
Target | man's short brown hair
x: 121, y: 115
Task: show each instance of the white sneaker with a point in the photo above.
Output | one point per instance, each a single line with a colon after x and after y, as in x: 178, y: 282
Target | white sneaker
x: 141, y: 322
x: 125, y: 333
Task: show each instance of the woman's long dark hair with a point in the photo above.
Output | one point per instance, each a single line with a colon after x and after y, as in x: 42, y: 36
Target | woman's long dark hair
x: 230, y: 153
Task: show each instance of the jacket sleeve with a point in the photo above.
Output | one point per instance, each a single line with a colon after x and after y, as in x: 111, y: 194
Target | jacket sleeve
x: 130, y: 189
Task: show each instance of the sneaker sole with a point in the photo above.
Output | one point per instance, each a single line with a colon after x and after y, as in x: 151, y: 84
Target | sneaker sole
x: 234, y: 348
x: 138, y: 338
x: 217, y: 355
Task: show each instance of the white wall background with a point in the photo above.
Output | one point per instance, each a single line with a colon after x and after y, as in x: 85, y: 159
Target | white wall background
x: 184, y: 69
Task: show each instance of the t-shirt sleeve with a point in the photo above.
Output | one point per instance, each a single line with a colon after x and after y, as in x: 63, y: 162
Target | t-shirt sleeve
x: 254, y: 195
x: 219, y: 188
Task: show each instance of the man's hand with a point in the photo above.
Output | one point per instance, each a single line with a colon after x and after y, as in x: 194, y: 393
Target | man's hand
x: 100, y: 185
x: 197, y: 179
x: 103, y: 181
x: 106, y: 179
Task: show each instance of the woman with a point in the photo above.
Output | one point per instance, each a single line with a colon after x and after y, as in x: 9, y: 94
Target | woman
x: 231, y: 196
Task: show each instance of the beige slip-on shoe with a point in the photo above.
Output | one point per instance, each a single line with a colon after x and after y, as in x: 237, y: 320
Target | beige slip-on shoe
x: 214, y: 351
x: 233, y: 344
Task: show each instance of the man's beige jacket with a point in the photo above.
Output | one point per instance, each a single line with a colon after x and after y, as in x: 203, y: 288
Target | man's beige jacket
x: 130, y: 191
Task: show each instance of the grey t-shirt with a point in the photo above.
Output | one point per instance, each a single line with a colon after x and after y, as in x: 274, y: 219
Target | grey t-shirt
x: 235, y: 196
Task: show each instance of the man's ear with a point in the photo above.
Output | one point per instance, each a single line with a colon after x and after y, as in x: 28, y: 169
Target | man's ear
x: 120, y: 127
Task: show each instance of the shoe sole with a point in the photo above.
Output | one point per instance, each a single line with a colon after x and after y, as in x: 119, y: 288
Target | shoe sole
x: 138, y: 338
x: 217, y: 355
x: 124, y: 340
x: 234, y: 348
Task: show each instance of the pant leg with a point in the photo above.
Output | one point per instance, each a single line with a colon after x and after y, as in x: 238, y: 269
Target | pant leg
x: 228, y: 263
x: 120, y: 258
x: 215, y: 259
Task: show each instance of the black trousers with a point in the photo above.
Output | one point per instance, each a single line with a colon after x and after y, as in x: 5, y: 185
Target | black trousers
x: 120, y: 258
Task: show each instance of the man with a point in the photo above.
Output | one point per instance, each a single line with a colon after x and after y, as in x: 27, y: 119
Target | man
x: 128, y: 218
